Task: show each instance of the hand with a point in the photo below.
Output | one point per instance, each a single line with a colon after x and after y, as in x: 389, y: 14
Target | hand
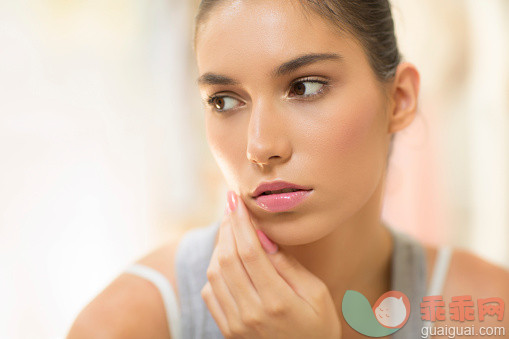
x: 254, y: 294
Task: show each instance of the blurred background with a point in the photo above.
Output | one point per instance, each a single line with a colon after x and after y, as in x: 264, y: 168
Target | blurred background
x: 103, y: 152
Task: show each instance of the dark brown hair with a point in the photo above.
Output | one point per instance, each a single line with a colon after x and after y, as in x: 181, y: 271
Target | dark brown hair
x: 369, y: 21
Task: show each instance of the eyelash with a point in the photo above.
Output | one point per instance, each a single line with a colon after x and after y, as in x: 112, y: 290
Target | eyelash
x: 210, y: 101
x: 325, y: 84
x: 211, y: 98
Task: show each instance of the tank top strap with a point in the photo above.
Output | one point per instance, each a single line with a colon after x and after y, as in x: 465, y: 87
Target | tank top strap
x: 191, y: 262
x: 408, y: 272
x: 167, y: 295
x: 440, y: 270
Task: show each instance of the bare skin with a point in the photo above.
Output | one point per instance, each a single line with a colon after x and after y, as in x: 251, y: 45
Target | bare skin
x: 334, y: 138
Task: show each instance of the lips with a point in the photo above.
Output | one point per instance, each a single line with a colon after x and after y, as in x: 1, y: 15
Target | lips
x: 286, y: 190
x: 277, y: 187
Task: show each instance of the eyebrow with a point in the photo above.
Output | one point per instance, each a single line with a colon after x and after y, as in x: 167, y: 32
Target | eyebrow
x: 285, y: 68
x: 215, y: 79
x: 304, y: 60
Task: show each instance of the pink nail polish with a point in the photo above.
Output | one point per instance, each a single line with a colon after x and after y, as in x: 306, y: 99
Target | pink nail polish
x: 231, y: 197
x: 267, y: 244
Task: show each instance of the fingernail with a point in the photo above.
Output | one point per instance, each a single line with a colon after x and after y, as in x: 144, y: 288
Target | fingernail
x: 231, y: 197
x: 267, y: 244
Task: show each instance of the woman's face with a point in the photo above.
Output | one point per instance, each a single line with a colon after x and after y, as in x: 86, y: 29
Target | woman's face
x: 288, y: 98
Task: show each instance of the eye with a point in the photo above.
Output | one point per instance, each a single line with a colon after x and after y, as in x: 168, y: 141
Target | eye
x: 223, y: 103
x: 307, y: 88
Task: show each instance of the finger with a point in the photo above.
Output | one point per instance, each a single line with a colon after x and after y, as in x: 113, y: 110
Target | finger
x: 234, y: 273
x: 264, y: 276
x: 305, y: 284
x: 221, y: 290
x: 207, y: 294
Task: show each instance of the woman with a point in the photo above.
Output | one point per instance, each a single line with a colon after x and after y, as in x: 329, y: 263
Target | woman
x: 304, y: 96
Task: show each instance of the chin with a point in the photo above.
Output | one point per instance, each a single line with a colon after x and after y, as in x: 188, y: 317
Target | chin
x: 290, y: 228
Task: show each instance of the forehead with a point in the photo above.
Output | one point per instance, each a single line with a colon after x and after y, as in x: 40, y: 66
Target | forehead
x: 261, y: 32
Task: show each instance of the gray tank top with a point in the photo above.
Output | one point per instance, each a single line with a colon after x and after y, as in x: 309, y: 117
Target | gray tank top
x: 192, y: 319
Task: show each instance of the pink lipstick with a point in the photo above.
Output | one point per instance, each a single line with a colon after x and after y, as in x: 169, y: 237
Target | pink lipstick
x: 280, y: 196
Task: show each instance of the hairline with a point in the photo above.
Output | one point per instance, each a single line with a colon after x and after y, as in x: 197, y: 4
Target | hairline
x: 339, y: 26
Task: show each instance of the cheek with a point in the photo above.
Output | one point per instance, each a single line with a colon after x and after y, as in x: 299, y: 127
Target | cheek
x: 226, y: 147
x: 213, y: 133
x: 350, y: 148
x: 352, y: 134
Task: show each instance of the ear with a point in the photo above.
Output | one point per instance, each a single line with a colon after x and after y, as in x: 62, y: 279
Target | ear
x: 404, y: 97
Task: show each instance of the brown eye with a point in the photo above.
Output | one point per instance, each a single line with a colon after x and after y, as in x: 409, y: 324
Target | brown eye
x: 223, y: 103
x: 299, y: 88
x: 218, y: 103
x: 307, y: 88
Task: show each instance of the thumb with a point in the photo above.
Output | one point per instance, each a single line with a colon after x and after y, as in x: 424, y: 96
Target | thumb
x: 301, y: 280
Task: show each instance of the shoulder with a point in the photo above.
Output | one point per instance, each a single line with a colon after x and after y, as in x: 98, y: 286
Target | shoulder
x: 471, y: 275
x: 130, y: 306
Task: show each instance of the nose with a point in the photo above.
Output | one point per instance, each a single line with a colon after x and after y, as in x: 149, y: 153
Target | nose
x: 267, y: 140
